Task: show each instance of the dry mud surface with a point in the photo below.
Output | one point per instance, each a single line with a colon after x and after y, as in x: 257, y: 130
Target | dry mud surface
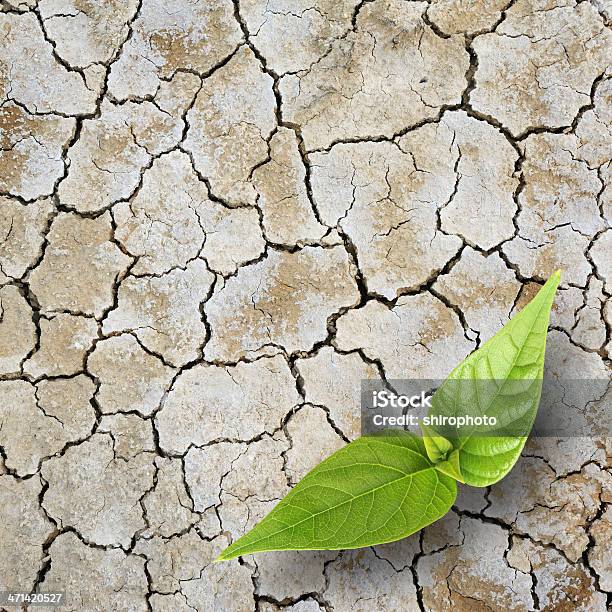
x: 217, y: 217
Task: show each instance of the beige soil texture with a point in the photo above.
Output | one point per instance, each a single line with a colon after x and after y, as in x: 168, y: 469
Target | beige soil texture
x: 218, y: 217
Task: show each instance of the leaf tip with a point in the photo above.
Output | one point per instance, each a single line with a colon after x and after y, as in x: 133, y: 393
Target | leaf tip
x: 227, y: 554
x: 223, y: 557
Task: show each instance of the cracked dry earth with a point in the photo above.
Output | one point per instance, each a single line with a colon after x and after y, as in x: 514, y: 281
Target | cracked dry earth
x: 217, y: 217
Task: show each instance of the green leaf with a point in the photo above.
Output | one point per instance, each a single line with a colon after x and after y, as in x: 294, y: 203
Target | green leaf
x: 437, y: 447
x: 376, y: 489
x: 502, y: 379
x: 451, y: 467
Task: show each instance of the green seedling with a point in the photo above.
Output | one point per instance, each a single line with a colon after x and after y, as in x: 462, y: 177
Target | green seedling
x: 381, y: 488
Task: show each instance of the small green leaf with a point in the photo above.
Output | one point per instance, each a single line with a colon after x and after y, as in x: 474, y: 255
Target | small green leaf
x: 503, y: 380
x: 437, y: 446
x: 451, y: 467
x: 376, y: 489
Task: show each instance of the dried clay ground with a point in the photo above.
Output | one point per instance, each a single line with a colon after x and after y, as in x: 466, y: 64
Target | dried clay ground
x: 217, y: 217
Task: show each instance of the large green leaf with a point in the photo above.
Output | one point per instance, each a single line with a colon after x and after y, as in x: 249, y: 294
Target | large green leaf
x: 375, y: 490
x: 502, y: 379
